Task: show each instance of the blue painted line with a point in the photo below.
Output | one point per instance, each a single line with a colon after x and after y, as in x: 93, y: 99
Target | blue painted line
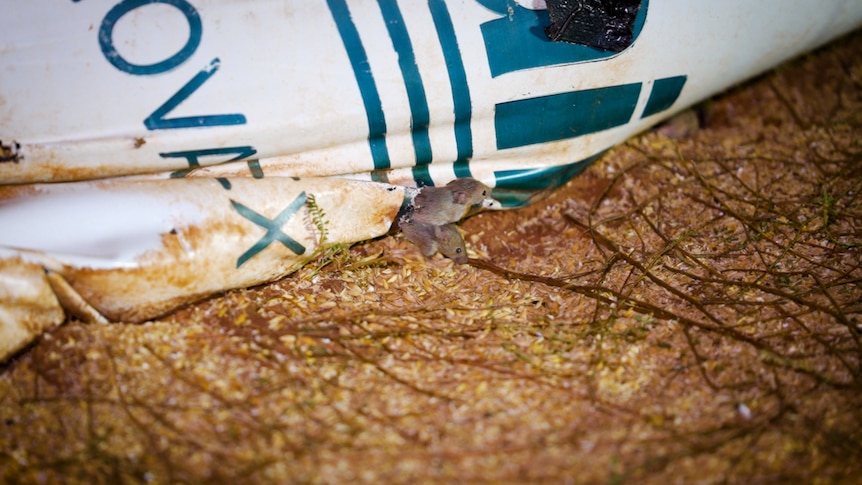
x: 193, y: 157
x: 664, y: 93
x: 463, y: 104
x: 381, y: 176
x: 157, y: 120
x: 420, y: 118
x: 462, y: 169
x: 254, y: 168
x: 517, y: 188
x: 365, y: 81
x: 422, y: 176
x: 273, y: 228
x: 564, y: 115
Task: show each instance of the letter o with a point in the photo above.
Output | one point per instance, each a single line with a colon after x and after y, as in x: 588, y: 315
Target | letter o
x: 106, y: 41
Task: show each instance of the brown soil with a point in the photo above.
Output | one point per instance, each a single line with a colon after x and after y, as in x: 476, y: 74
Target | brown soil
x: 687, y: 310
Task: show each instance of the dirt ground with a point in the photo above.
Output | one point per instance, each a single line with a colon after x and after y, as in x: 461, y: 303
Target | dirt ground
x: 686, y: 311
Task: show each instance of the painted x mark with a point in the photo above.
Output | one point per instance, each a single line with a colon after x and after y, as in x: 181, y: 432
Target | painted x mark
x: 273, y: 228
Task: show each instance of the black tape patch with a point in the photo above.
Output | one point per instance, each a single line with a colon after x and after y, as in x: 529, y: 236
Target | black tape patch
x: 602, y: 24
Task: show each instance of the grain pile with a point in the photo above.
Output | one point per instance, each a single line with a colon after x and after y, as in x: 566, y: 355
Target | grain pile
x: 687, y: 310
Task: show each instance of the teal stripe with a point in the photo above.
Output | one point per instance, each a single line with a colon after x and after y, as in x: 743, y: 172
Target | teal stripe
x: 420, y: 119
x: 380, y: 176
x: 272, y: 226
x: 517, y: 188
x: 365, y: 81
x: 664, y: 94
x: 254, y: 168
x: 564, y: 115
x: 458, y: 82
x: 462, y: 169
x: 422, y: 176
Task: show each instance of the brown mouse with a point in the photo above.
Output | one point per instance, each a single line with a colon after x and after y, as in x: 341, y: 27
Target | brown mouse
x: 444, y: 238
x: 442, y: 205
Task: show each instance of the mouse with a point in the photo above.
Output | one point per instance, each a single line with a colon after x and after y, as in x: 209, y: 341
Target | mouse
x: 443, y: 205
x: 444, y: 238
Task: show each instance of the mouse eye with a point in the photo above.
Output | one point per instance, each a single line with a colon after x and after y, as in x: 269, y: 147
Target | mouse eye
x: 458, y: 250
x: 484, y: 193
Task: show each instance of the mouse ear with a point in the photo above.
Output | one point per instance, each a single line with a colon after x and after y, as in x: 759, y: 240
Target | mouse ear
x: 460, y: 196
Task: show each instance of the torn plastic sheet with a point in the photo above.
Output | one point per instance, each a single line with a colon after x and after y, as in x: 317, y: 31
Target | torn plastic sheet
x: 129, y: 250
x: 206, y: 121
x: 134, y: 249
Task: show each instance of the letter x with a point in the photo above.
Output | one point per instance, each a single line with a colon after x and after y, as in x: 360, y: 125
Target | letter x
x: 273, y: 228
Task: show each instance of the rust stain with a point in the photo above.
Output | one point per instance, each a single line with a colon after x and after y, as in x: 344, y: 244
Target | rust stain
x: 45, y: 164
x: 53, y: 170
x: 168, y: 277
x: 9, y: 192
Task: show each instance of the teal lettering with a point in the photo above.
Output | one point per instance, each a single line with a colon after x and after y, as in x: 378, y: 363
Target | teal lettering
x: 157, y: 120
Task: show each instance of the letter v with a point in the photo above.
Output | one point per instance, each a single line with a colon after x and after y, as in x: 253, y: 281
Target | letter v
x: 157, y: 120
